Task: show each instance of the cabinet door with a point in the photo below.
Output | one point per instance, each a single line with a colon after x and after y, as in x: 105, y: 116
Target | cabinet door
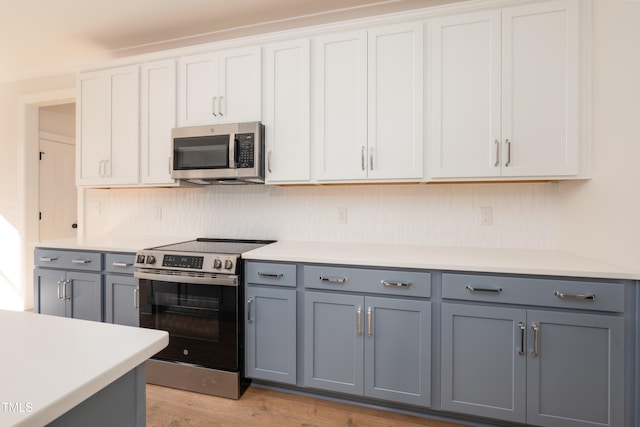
x: 121, y: 300
x: 339, y: 108
x: 123, y: 160
x: 484, y: 361
x: 197, y: 87
x: 286, y: 109
x: 158, y: 116
x: 47, y: 292
x: 238, y: 97
x: 398, y: 350
x: 271, y: 334
x: 84, y: 292
x: 465, y: 81
x: 92, y: 128
x: 576, y: 377
x: 540, y: 45
x: 333, y: 342
x: 395, y: 102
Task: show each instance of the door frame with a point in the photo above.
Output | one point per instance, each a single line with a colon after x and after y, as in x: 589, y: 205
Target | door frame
x: 28, y: 180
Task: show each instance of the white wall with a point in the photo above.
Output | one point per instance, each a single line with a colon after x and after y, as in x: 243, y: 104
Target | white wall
x: 59, y: 120
x: 448, y: 215
x: 601, y: 218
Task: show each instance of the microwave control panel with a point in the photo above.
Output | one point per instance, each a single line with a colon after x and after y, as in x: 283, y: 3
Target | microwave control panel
x: 244, y: 150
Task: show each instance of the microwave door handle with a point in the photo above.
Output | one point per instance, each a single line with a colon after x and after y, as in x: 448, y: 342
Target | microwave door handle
x: 233, y: 150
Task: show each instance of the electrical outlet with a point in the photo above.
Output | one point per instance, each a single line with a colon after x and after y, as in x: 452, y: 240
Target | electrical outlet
x: 341, y: 216
x: 93, y: 208
x: 486, y: 216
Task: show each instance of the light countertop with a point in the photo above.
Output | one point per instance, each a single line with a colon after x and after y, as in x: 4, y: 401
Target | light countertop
x: 113, y: 243
x: 511, y: 261
x: 53, y: 363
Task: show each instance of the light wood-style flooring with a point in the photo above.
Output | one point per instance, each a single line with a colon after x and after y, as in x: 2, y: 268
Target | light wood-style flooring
x: 261, y: 408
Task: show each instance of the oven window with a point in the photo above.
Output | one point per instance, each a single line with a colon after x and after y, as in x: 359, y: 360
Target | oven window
x: 202, y: 321
x: 203, y: 152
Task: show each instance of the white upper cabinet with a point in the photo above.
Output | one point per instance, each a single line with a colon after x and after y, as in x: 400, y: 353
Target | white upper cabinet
x: 504, y: 93
x: 108, y: 127
x: 286, y: 105
x: 158, y: 117
x: 367, y: 104
x: 219, y: 87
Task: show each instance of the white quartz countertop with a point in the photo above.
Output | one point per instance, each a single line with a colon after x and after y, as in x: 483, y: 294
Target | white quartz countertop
x: 512, y: 261
x: 115, y: 243
x: 50, y: 364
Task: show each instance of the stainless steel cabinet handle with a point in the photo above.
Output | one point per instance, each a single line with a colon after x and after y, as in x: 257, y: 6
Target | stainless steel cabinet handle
x: 396, y: 284
x: 47, y: 259
x: 64, y: 287
x: 80, y: 261
x: 271, y: 275
x: 338, y: 280
x: 269, y: 161
x: 362, y: 156
x: 101, y: 168
x: 359, y: 320
x: 59, y: 290
x: 497, y: 163
x: 107, y: 168
x: 490, y: 290
x: 136, y: 301
x: 249, y: 303
x: 220, y: 105
x: 589, y: 297
x: 122, y: 264
x: 369, y: 321
x: 523, y: 328
x: 213, y: 106
x: 371, y: 158
x: 536, y: 339
x: 508, y: 162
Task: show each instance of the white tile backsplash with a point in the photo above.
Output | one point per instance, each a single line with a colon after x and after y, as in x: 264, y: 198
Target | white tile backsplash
x: 435, y: 214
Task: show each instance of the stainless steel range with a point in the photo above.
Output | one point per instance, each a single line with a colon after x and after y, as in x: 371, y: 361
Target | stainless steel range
x: 194, y: 291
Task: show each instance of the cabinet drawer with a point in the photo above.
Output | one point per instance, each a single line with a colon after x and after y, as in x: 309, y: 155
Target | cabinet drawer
x: 68, y: 260
x: 269, y: 273
x: 120, y: 262
x: 573, y: 294
x: 389, y: 282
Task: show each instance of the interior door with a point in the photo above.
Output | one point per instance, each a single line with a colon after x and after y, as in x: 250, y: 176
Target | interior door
x: 58, y: 194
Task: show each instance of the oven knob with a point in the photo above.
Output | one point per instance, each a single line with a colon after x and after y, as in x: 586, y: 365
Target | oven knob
x: 217, y: 263
x: 228, y: 264
x: 151, y: 259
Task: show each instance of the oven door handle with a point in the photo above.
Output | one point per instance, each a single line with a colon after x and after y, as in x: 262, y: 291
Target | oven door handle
x: 227, y: 280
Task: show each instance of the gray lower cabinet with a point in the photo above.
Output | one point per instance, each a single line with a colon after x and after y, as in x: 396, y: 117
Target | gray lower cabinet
x: 368, y: 346
x: 121, y: 299
x: 541, y: 367
x: 270, y: 334
x: 68, y: 293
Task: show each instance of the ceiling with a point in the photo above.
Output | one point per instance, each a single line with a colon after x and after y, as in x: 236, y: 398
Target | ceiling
x: 45, y: 37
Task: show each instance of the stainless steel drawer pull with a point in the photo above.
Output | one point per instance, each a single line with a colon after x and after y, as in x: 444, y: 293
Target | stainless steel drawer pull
x: 359, y: 320
x: 136, y: 300
x: 122, y: 264
x: 562, y: 295
x: 369, y: 321
x: 47, y: 259
x: 397, y: 284
x: 249, y: 302
x: 80, y: 261
x: 338, y: 280
x: 60, y: 289
x: 271, y: 275
x: 536, y: 339
x: 490, y: 290
x: 522, y: 334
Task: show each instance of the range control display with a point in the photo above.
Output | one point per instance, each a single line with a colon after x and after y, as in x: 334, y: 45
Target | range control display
x: 183, y: 261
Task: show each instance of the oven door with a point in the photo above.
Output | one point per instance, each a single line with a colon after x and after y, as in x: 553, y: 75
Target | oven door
x: 202, y: 321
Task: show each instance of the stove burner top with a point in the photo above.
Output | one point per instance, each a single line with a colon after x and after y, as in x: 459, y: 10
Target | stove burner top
x: 211, y: 245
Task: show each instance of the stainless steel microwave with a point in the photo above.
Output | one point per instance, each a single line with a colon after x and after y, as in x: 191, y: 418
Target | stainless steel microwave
x: 219, y: 154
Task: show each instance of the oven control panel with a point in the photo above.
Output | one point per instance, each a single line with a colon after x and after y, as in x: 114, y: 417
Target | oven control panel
x: 207, y: 263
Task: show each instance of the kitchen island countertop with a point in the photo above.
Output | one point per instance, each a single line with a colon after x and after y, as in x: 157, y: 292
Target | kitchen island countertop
x: 486, y: 260
x: 51, y: 364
